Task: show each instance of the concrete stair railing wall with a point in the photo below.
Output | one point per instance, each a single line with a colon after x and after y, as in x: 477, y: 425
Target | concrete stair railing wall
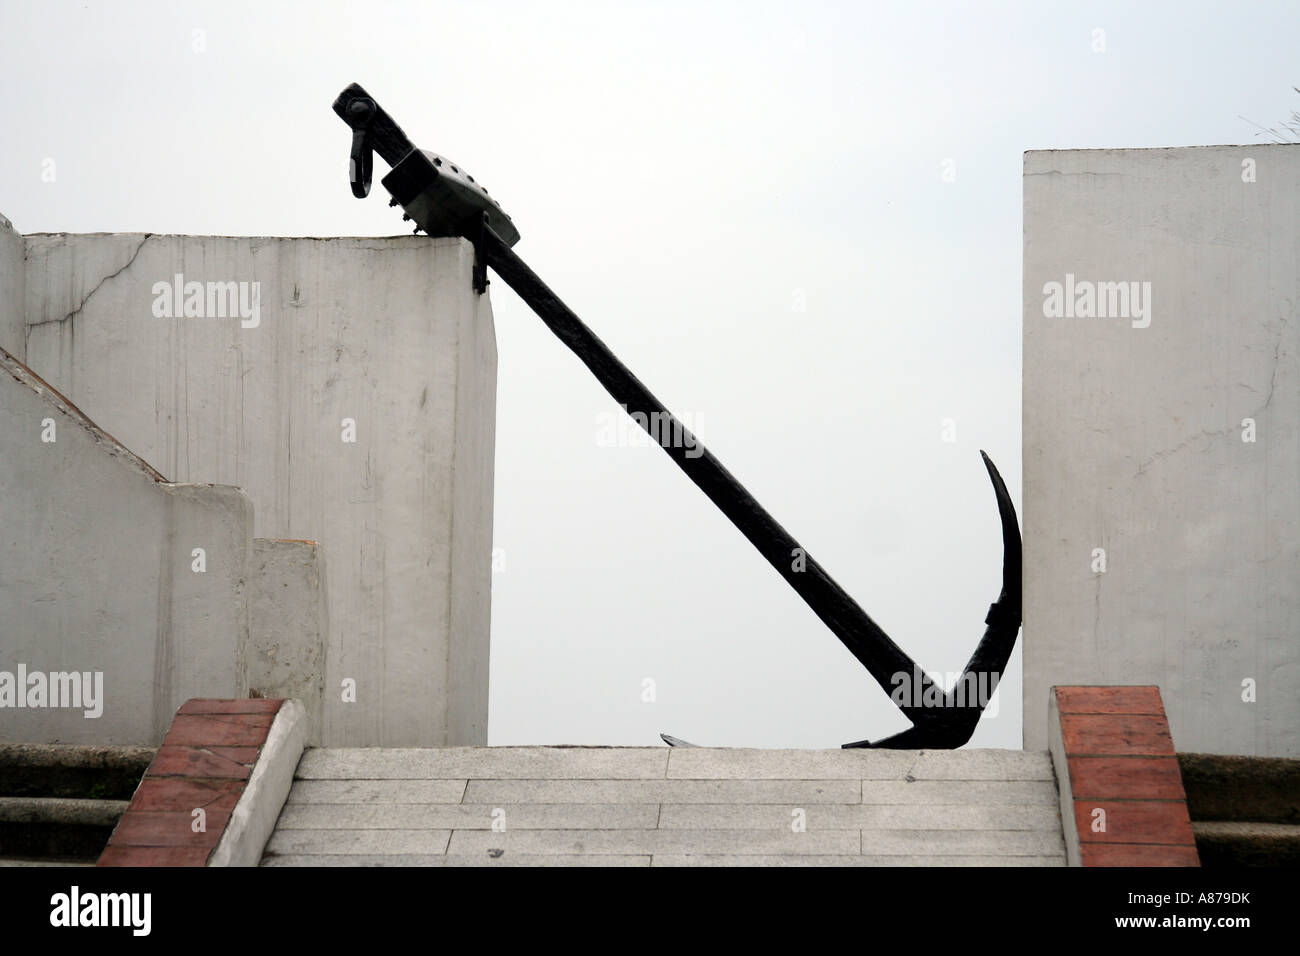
x: 100, y: 597
x: 122, y: 594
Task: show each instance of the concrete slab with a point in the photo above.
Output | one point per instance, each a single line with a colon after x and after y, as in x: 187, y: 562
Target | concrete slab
x: 955, y: 843
x: 358, y: 842
x: 486, y: 816
x: 636, y: 842
x: 860, y: 817
x: 383, y: 791
x: 793, y: 792
x: 972, y: 792
x: 525, y: 763
x: 706, y: 763
x: 982, y: 765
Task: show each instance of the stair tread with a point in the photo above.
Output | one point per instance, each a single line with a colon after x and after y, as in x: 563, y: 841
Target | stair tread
x: 71, y: 811
x: 22, y: 861
x: 1231, y: 828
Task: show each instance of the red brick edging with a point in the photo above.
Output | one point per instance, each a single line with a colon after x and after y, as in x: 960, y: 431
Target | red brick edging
x: 1126, y: 791
x: 204, y: 763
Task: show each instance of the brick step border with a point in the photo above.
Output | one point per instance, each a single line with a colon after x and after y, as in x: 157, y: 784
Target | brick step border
x: 213, y: 792
x: 1122, y: 797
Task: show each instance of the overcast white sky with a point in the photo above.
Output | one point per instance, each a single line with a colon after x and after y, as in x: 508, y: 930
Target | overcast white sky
x: 685, y: 176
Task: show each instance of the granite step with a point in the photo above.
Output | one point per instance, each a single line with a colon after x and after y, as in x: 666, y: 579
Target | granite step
x: 631, y: 806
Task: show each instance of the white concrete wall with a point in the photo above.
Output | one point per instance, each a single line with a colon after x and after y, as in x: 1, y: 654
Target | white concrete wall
x: 471, y: 539
x: 98, y: 574
x: 1133, y: 439
x: 386, y: 332
x: 12, y: 285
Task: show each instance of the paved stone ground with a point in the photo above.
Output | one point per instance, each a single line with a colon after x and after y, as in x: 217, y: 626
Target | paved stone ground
x: 614, y: 806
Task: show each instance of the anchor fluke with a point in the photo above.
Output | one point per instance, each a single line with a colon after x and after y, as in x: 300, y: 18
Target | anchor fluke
x: 951, y: 723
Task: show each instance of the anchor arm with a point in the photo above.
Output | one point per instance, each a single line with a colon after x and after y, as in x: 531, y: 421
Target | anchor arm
x: 952, y: 724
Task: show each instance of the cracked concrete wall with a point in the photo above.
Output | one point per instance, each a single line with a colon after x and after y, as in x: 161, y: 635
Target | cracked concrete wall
x: 354, y: 405
x: 1162, y: 440
x: 98, y: 575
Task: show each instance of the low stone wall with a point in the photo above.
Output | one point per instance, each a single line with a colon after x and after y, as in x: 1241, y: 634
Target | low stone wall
x: 213, y: 792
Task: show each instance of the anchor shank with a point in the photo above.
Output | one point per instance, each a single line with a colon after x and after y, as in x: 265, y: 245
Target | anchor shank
x: 882, y: 658
x: 451, y: 203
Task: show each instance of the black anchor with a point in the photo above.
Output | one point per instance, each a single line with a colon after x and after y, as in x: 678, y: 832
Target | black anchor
x: 444, y: 200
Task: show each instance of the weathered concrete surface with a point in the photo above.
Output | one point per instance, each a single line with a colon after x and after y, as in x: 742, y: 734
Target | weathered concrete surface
x: 289, y: 625
x: 384, y: 333
x: 13, y: 255
x: 99, y: 576
x: 1133, y: 439
x: 537, y: 806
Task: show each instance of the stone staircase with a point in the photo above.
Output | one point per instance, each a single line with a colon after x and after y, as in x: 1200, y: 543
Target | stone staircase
x: 1245, y: 810
x: 59, y: 804
x: 604, y: 806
